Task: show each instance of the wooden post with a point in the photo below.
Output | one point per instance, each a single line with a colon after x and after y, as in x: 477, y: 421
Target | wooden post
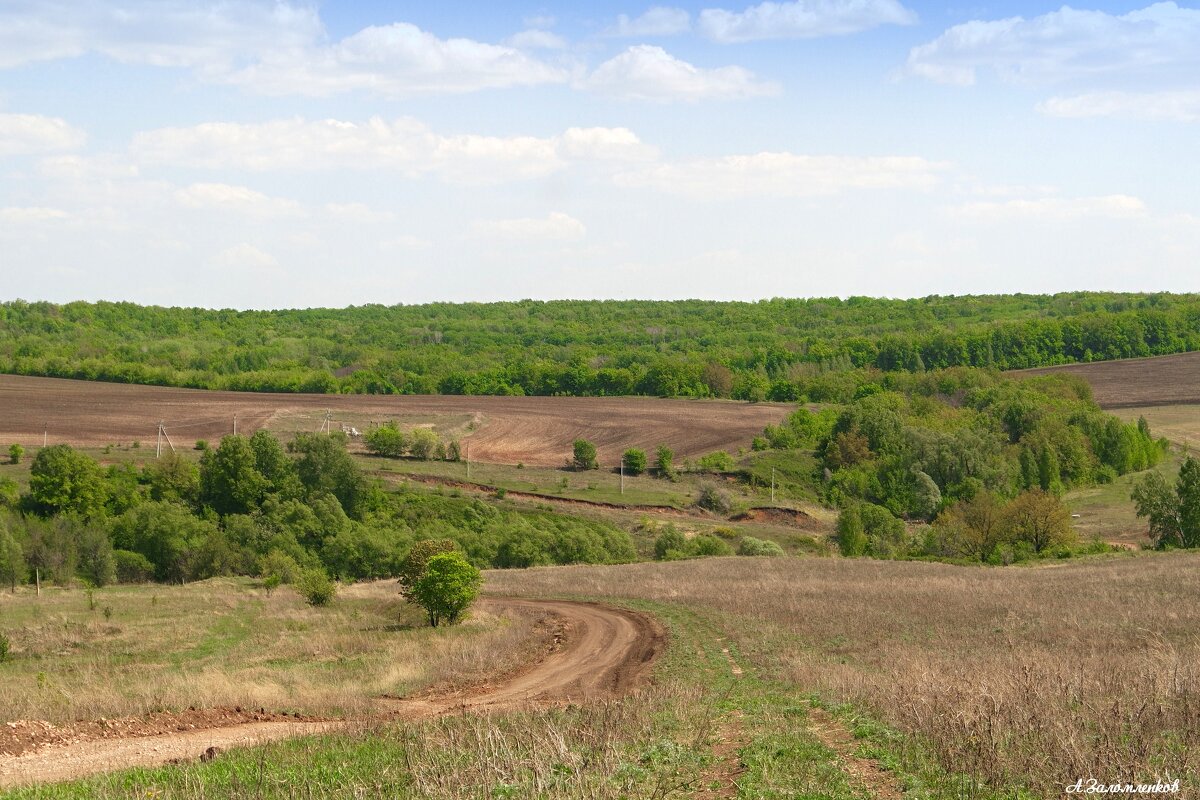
x: 37, y: 576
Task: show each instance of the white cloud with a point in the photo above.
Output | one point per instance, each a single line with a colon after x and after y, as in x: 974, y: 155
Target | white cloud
x: 31, y: 215
x: 245, y: 257
x: 397, y: 60
x: 1182, y: 106
x: 1115, y: 206
x: 404, y: 145
x: 657, y: 21
x: 784, y: 175
x: 803, y: 19
x: 85, y: 168
x: 224, y: 197
x: 536, y: 39
x: 357, y: 212
x: 555, y: 226
x: 1161, y: 40
x: 207, y: 34
x: 24, y: 134
x: 645, y: 72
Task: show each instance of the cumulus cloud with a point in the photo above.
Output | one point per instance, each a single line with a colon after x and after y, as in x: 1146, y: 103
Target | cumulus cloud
x: 399, y: 59
x: 645, y: 72
x: 1115, y: 206
x: 784, y: 175
x: 404, y: 145
x: 657, y: 21
x: 803, y: 19
x: 1182, y: 106
x: 174, y: 33
x: 25, y: 134
x: 224, y: 197
x: 1161, y: 40
x: 555, y: 226
x: 536, y: 39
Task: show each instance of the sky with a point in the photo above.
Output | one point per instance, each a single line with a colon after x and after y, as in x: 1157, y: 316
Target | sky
x: 283, y: 153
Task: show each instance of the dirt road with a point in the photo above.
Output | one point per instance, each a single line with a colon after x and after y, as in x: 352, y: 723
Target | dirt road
x: 605, y: 652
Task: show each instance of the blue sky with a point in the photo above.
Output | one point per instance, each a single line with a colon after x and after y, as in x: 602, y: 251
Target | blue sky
x: 264, y: 153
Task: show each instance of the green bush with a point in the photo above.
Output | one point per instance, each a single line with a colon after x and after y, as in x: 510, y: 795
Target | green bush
x: 706, y: 545
x: 634, y: 461
x: 751, y: 546
x: 132, y: 567
x: 15, y: 451
x: 316, y: 587
x: 671, y: 544
x: 584, y: 455
x: 5, y: 648
x: 715, y: 499
x: 718, y: 461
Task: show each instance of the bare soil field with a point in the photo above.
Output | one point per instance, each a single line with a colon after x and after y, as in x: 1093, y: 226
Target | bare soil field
x: 1157, y: 381
x: 534, y: 430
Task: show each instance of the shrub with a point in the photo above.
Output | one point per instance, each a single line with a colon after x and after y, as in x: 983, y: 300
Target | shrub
x: 751, y: 546
x: 447, y: 588
x: 412, y: 566
x: 316, y: 587
x: 584, y: 455
x: 718, y: 461
x: 422, y: 443
x: 454, y: 451
x: 715, y: 500
x: 708, y: 545
x: 634, y: 461
x: 15, y: 452
x: 5, y: 648
x: 664, y: 461
x: 671, y: 544
x: 132, y: 567
x: 278, y: 564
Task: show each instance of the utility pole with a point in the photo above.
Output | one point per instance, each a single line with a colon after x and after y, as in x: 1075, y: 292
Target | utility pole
x: 235, y: 424
x: 772, y: 485
x: 158, y: 448
x: 46, y: 434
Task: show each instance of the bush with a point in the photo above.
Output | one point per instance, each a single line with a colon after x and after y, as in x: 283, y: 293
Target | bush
x: 708, y: 545
x: 132, y: 567
x: 5, y: 648
x: 751, y: 546
x: 584, y: 455
x: 315, y: 586
x: 15, y: 452
x: 671, y: 544
x: 634, y: 461
x: 278, y: 564
x: 719, y: 461
x: 665, y: 461
x: 715, y: 500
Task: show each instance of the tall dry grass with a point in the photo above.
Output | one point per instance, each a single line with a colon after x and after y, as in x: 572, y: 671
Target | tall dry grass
x: 1028, y: 677
x: 226, y: 642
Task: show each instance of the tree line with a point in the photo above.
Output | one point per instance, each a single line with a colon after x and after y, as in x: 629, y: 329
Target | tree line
x: 778, y: 349
x: 252, y: 506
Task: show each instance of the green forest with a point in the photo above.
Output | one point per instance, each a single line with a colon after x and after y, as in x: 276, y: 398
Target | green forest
x: 779, y: 349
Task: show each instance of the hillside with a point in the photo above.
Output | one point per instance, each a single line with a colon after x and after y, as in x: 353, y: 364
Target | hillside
x: 772, y: 349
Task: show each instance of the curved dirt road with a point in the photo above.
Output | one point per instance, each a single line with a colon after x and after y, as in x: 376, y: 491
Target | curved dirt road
x: 605, y: 652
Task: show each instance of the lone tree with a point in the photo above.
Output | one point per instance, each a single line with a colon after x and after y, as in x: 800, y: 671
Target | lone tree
x: 584, y: 455
x: 1040, y: 519
x: 412, y: 566
x: 665, y: 461
x: 15, y: 452
x: 447, y: 588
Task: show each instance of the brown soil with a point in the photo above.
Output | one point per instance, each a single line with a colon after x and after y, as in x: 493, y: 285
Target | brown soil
x: 534, y: 430
x: 598, y: 652
x: 1158, y: 381
x: 781, y: 516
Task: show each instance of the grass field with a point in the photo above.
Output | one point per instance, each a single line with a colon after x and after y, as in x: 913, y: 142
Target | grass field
x: 125, y: 650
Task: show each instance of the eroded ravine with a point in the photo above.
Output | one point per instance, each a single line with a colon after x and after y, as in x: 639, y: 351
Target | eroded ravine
x: 605, y: 652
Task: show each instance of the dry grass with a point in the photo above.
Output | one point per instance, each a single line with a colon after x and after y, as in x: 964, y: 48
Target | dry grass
x: 1018, y: 676
x: 226, y: 642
